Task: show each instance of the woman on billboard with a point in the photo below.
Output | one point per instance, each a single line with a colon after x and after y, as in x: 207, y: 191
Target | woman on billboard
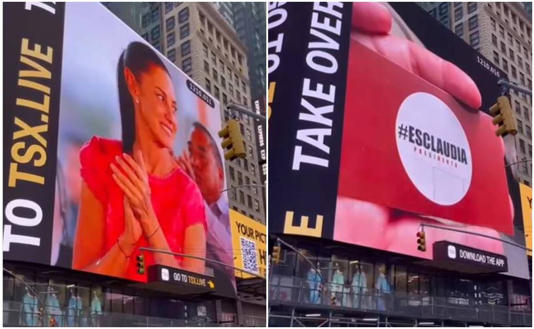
x: 134, y: 194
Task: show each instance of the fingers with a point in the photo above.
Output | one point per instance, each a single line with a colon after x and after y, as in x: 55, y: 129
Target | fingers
x: 129, y: 189
x: 132, y: 166
x: 140, y: 160
x: 425, y: 64
x: 371, y: 18
x: 446, y: 76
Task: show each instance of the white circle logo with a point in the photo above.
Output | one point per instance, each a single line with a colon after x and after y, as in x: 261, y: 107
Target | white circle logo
x: 433, y: 148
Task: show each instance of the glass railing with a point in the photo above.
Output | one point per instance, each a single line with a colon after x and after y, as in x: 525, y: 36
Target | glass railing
x: 15, y: 315
x: 294, y: 290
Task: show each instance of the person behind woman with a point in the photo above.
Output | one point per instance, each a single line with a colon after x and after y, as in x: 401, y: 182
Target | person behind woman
x: 133, y: 192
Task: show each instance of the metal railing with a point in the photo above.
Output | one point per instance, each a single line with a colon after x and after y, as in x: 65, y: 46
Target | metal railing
x: 299, y: 292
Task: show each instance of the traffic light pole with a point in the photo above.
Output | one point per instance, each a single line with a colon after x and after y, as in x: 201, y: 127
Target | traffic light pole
x: 422, y: 225
x: 244, y: 185
x: 198, y: 257
x: 302, y: 255
x: 244, y: 110
x: 507, y: 85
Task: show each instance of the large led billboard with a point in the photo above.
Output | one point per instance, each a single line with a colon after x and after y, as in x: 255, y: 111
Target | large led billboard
x: 109, y: 147
x: 372, y: 135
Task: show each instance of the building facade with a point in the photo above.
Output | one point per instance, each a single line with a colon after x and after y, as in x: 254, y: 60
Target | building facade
x: 248, y: 20
x: 502, y: 32
x: 202, y: 42
x: 358, y: 286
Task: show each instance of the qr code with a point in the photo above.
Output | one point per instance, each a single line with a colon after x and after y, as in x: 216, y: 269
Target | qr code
x: 248, y: 249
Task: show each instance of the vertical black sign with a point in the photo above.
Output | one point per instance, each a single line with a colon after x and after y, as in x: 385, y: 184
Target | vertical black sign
x: 259, y: 131
x: 307, y: 66
x: 33, y: 47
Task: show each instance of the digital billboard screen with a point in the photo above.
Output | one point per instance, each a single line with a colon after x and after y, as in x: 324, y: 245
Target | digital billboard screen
x: 370, y: 152
x: 109, y: 147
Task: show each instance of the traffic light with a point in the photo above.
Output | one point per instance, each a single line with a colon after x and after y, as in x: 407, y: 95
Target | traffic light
x: 232, y: 140
x: 421, y: 241
x: 275, y: 255
x: 503, y: 117
x: 140, y: 264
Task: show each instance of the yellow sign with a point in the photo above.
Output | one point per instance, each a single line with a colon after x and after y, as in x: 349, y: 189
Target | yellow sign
x: 249, y: 241
x: 525, y: 193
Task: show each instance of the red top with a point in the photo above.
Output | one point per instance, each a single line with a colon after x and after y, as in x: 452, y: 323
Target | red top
x: 176, y: 200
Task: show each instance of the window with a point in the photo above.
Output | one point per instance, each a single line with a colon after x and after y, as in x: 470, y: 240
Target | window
x: 511, y: 53
x: 241, y: 197
x: 206, y: 67
x: 501, y: 31
x: 493, y: 24
x: 224, y: 98
x: 208, y: 85
x: 154, y: 15
x: 522, y: 146
x: 232, y: 173
x: 184, y: 31
x: 169, y: 23
x: 187, y: 65
x: 474, y: 39
x: 171, y: 54
x: 494, y: 40
x: 505, y: 65
x: 459, y: 29
x: 503, y: 47
x: 529, y: 132
x: 239, y: 178
x: 514, y: 72
x: 170, y: 39
x: 145, y: 20
x: 216, y: 92
x: 519, y: 126
x: 249, y: 201
x: 245, y: 101
x: 236, y: 80
x: 183, y: 15
x: 443, y: 8
x: 473, y: 22
x: 471, y: 7
x: 223, y: 82
x: 215, y: 74
x: 186, y: 48
x: 221, y: 65
x: 521, y: 79
x: 213, y: 58
x: 168, y: 7
x: 243, y: 86
x: 496, y: 58
x: 155, y: 33
x: 458, y: 13
x: 205, y: 50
